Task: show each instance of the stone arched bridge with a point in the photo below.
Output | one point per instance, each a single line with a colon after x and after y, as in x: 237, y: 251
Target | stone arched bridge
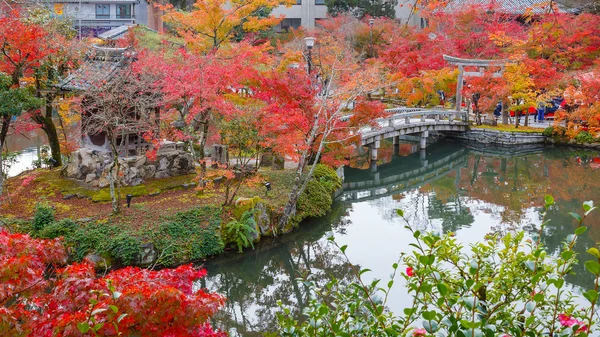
x: 411, y: 121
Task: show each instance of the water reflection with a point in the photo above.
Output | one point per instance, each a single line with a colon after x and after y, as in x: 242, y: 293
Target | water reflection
x: 453, y: 188
x: 27, y: 144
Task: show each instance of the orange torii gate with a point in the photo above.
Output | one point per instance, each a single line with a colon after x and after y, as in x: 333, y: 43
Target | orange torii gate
x: 480, y: 64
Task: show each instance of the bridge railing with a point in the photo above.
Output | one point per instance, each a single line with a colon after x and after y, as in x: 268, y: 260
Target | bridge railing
x: 408, y: 113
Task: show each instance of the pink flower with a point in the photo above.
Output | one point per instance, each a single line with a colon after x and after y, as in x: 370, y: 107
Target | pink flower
x: 568, y: 321
x: 419, y: 332
x: 409, y: 272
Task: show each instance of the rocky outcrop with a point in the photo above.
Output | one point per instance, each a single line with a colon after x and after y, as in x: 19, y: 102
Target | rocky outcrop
x: 93, y: 167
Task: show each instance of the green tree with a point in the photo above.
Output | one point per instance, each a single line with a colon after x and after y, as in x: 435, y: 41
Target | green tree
x: 362, y: 8
x: 13, y: 101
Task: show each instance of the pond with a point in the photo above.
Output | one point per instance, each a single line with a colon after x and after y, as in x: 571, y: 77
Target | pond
x: 451, y: 187
x: 28, y: 145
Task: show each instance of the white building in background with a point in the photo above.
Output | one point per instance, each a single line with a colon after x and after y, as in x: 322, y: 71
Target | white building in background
x: 97, y: 16
x: 307, y: 12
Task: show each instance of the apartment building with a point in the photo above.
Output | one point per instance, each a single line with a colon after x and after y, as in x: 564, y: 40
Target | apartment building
x: 307, y: 12
x: 93, y: 17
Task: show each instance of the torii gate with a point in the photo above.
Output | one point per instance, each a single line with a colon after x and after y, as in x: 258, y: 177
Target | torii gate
x: 480, y: 64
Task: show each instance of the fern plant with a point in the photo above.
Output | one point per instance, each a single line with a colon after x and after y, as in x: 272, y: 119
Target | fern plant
x: 240, y: 231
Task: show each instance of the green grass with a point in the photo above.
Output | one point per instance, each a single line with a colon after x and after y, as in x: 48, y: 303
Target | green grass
x: 510, y: 128
x: 281, y: 184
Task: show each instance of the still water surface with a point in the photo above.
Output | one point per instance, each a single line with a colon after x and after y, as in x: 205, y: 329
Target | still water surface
x: 450, y: 188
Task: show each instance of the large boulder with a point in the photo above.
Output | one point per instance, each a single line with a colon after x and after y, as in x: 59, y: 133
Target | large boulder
x: 92, y: 167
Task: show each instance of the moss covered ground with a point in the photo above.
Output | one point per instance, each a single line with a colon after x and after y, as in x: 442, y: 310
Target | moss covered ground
x: 181, y: 223
x: 151, y: 201
x: 510, y: 128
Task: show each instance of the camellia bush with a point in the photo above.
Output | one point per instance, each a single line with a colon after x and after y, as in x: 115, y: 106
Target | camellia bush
x: 505, y: 286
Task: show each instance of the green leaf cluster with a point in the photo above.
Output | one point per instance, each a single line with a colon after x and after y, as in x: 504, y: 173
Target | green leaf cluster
x: 504, y: 285
x: 240, y: 232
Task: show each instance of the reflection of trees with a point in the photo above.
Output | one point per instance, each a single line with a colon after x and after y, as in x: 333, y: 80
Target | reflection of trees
x: 453, y: 214
x: 556, y: 231
x: 507, y: 187
x: 253, y: 282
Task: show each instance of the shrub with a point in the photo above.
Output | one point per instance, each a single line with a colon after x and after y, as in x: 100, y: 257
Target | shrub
x: 44, y: 215
x: 92, y: 238
x: 327, y: 177
x: 584, y: 137
x: 509, y: 286
x: 64, y: 228
x: 125, y: 248
x: 560, y: 131
x: 315, y: 201
x: 241, y: 231
x: 190, y: 235
x: 548, y: 132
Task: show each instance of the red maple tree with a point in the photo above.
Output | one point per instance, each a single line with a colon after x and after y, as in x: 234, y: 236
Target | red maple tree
x: 39, y: 296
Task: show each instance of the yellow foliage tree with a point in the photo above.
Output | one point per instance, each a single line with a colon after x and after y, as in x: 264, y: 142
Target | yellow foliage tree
x: 521, y: 87
x: 214, y: 22
x: 422, y: 91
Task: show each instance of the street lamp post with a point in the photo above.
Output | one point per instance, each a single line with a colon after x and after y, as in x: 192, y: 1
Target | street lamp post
x: 310, y: 42
x: 371, y: 23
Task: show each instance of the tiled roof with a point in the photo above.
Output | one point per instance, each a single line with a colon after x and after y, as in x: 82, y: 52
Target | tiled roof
x: 507, y: 6
x: 115, y: 33
x: 99, y: 66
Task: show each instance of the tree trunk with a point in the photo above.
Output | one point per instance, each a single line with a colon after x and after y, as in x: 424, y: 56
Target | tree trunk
x: 300, y: 184
x: 290, y: 207
x: 115, y: 194
x: 50, y: 130
x: 4, y: 130
x: 1, y: 174
x: 202, y: 154
x: 3, y: 133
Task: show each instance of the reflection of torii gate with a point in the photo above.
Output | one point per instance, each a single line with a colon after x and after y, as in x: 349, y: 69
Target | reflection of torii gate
x: 480, y: 64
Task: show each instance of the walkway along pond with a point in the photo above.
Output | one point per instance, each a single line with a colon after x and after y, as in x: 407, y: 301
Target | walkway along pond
x: 470, y: 192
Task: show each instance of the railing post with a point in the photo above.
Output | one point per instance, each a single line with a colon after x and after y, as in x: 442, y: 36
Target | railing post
x: 391, y: 121
x: 422, y: 117
x: 437, y: 118
x: 407, y: 120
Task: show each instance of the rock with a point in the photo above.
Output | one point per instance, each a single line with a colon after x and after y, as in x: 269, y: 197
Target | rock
x: 149, y: 254
x: 90, y: 177
x: 181, y: 162
x: 163, y: 164
x: 84, y: 220
x: 140, y: 162
x: 162, y: 174
x: 136, y: 181
x: 149, y: 172
x: 219, y: 154
x: 69, y: 196
x: 93, y: 167
x: 154, y: 193
x: 88, y: 163
x: 263, y: 221
x: 103, y: 181
x: 98, y: 261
